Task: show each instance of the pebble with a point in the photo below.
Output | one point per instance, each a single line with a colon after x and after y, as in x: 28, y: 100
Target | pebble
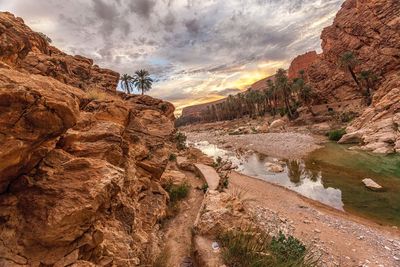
x: 317, y: 231
x: 396, y: 258
x: 306, y: 221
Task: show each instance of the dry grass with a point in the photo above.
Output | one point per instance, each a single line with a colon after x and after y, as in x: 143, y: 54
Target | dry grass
x: 97, y: 94
x: 240, y: 194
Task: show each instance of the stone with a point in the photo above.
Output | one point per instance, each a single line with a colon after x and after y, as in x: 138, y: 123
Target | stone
x: 209, y: 174
x: 274, y: 167
x: 277, y: 124
x: 352, y: 138
x: 372, y: 185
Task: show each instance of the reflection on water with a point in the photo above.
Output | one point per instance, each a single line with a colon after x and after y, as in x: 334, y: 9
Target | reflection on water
x: 331, y: 175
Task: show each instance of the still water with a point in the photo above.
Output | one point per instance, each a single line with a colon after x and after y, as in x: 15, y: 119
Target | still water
x: 331, y: 175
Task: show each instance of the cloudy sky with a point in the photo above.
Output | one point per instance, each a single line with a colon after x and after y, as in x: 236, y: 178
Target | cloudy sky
x: 197, y: 50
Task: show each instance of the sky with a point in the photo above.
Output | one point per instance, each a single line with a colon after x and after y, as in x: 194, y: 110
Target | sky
x: 196, y: 50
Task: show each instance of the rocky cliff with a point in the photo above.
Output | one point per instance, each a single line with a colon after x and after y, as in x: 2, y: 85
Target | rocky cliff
x: 302, y: 62
x: 79, y: 172
x: 371, y: 30
x: 28, y: 51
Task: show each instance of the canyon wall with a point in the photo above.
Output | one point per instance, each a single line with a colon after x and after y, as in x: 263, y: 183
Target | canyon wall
x: 371, y: 30
x: 302, y: 62
x: 79, y: 170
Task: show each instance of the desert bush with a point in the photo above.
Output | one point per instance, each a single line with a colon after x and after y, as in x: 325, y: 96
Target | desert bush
x: 347, y: 116
x: 172, y: 157
x: 335, y: 135
x: 287, y: 248
x: 180, y: 140
x: 204, y: 187
x: 96, y: 94
x: 164, y: 107
x: 253, y: 247
x: 177, y: 192
x: 45, y: 37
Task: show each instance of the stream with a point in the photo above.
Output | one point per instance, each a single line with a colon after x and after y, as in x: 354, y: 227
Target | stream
x: 331, y: 175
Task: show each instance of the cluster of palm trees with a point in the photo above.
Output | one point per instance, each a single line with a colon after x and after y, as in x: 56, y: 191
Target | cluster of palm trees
x: 365, y: 80
x: 281, y: 96
x: 140, y: 80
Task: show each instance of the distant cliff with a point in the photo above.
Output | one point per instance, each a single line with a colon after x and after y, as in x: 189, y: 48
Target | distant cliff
x: 79, y: 163
x: 371, y: 31
x: 302, y: 62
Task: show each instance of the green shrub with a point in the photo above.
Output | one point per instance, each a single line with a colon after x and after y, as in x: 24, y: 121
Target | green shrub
x: 204, y: 187
x: 180, y: 140
x: 335, y: 135
x: 287, y: 248
x: 255, y: 248
x: 172, y: 157
x: 164, y: 107
x: 177, y: 192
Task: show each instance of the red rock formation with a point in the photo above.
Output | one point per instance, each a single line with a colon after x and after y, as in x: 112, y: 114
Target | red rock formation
x: 25, y: 50
x: 79, y: 174
x: 302, y: 62
x: 371, y: 30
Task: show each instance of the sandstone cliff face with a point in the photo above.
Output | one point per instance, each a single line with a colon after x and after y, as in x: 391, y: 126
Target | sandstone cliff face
x: 79, y: 176
x: 302, y: 62
x: 371, y: 30
x: 25, y: 50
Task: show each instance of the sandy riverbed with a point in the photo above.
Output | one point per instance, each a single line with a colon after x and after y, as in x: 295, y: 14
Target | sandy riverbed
x: 286, y: 145
x: 344, y: 239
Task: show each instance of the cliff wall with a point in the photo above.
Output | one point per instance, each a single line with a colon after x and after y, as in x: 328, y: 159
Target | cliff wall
x: 79, y: 170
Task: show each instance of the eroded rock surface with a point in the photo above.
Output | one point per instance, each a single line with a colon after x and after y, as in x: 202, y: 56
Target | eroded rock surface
x: 371, y: 30
x: 79, y: 176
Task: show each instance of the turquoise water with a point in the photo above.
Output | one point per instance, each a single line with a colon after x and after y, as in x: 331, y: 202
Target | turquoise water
x: 331, y: 175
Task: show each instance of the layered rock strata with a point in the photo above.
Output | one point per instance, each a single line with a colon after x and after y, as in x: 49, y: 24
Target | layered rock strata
x: 79, y: 173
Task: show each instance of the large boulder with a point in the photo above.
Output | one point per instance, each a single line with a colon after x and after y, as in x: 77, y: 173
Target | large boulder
x: 277, y: 124
x: 34, y: 112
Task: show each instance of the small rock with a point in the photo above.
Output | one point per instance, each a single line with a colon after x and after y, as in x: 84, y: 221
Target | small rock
x: 317, y: 231
x: 371, y: 184
x: 306, y: 221
x: 272, y: 167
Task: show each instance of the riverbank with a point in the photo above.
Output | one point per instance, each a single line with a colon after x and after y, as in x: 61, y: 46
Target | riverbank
x: 343, y: 239
x: 288, y: 143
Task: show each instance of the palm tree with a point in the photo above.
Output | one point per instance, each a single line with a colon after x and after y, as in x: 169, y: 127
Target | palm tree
x: 282, y: 85
x: 272, y: 88
x: 368, y: 78
x: 142, y: 80
x: 126, y: 83
x: 348, y: 61
x: 305, y: 93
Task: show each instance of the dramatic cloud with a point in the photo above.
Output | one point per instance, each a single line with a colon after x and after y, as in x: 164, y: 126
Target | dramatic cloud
x: 194, y: 49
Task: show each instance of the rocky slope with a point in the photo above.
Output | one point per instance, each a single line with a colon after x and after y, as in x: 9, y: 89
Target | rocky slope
x: 79, y: 173
x: 371, y: 30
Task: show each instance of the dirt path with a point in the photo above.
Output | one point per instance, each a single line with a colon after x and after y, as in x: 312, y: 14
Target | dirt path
x: 344, y: 239
x: 178, y: 235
